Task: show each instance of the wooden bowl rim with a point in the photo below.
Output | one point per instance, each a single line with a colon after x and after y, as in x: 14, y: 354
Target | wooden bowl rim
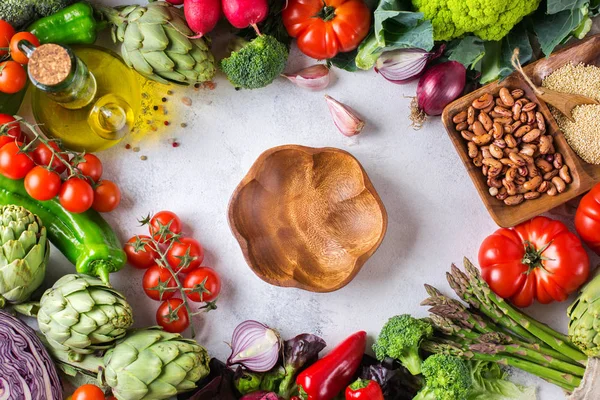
x: 244, y: 242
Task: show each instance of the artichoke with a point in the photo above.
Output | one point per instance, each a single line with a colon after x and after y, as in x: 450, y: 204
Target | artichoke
x: 81, y: 314
x: 152, y: 364
x: 24, y: 253
x: 584, y: 327
x: 157, y: 44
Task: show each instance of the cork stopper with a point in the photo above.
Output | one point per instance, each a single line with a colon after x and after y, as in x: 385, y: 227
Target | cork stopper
x: 49, y: 64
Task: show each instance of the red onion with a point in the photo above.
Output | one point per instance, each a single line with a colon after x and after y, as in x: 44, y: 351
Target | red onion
x: 255, y: 346
x: 404, y: 65
x: 440, y: 84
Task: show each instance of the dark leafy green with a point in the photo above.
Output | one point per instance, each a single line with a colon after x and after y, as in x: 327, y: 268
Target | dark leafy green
x: 345, y: 61
x: 468, y: 51
x: 559, y: 20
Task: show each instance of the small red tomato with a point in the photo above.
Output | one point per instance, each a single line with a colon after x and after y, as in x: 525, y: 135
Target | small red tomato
x: 172, y: 316
x: 140, y: 253
x: 76, y: 195
x: 10, y: 127
x: 163, y: 225
x: 42, y: 184
x: 204, y: 284
x: 88, y: 392
x: 12, y: 77
x: 6, y: 33
x: 13, y: 163
x: 185, y: 254
x: 107, y: 196
x: 43, y: 155
x: 15, y: 53
x: 92, y: 167
x: 156, y: 277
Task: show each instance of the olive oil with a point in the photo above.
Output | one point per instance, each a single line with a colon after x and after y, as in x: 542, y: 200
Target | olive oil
x: 105, y: 120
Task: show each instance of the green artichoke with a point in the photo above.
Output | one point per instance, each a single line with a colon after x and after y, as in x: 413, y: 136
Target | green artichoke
x: 24, y: 253
x: 152, y: 364
x: 156, y: 43
x: 81, y: 314
x: 584, y: 327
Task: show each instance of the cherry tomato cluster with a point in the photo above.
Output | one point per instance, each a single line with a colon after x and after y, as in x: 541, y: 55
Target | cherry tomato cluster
x: 50, y: 171
x: 12, y: 74
x: 173, y: 265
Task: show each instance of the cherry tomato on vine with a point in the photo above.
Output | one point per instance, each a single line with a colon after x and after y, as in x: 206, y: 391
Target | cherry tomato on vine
x: 76, y: 195
x: 13, y: 163
x: 156, y: 276
x: 140, y: 253
x: 163, y: 221
x: 15, y: 53
x: 6, y: 33
x: 13, y: 128
x: 42, y: 184
x: 92, y: 167
x: 42, y: 155
x: 185, y: 251
x: 12, y: 77
x: 88, y: 392
x: 107, y: 196
x: 205, y: 282
x: 171, y: 320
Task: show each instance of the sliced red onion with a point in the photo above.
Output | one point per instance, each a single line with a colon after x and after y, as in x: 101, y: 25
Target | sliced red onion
x: 313, y: 78
x: 344, y: 117
x: 404, y: 65
x: 254, y: 346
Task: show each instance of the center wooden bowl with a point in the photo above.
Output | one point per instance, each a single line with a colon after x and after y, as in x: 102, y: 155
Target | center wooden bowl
x: 307, y: 218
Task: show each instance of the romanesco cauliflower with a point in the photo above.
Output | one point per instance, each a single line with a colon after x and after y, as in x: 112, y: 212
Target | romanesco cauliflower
x: 488, y: 19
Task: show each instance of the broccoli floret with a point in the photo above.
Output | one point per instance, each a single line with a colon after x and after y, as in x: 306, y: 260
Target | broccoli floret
x: 446, y: 378
x: 255, y: 64
x: 45, y: 8
x: 400, y: 339
x: 20, y: 13
x: 488, y: 19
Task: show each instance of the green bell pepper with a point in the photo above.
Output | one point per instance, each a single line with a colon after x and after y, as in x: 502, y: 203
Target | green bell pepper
x: 72, y: 25
x: 86, y: 239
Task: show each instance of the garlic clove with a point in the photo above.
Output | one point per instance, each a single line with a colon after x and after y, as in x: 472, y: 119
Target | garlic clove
x: 344, y: 117
x: 314, y: 78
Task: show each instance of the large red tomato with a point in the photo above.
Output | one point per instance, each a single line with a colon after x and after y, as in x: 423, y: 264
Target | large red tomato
x: 538, y: 259
x: 587, y: 219
x: 324, y: 28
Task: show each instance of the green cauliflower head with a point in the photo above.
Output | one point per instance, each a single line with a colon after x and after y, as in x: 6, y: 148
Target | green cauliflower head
x: 488, y: 19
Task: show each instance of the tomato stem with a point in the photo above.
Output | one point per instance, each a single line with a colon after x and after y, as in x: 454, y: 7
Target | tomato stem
x: 533, y: 257
x: 327, y: 13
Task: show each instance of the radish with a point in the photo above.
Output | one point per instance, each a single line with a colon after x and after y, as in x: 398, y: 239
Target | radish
x: 202, y: 15
x: 244, y: 13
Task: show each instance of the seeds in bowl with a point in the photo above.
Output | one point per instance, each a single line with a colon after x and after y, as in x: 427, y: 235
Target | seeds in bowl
x: 507, y: 138
x: 582, y: 134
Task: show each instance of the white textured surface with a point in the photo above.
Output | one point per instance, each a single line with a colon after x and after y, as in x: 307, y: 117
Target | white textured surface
x: 435, y: 214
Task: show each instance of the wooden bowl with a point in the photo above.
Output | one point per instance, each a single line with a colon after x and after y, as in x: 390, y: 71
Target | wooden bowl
x: 307, y: 218
x: 584, y: 175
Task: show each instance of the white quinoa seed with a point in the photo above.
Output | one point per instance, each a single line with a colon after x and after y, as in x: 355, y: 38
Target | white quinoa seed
x: 583, y: 135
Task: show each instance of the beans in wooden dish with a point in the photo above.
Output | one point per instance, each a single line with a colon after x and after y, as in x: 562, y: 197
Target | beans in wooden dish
x: 507, y: 138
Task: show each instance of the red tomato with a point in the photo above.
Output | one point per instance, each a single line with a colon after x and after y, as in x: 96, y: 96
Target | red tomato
x: 13, y: 163
x: 6, y: 33
x: 12, y: 77
x: 538, y: 259
x: 156, y: 276
x: 205, y: 283
x: 76, y: 195
x: 15, y: 53
x: 185, y: 251
x: 324, y: 28
x: 42, y: 155
x: 140, y: 253
x: 42, y: 184
x: 587, y: 219
x: 163, y: 225
x: 92, y: 167
x: 13, y: 129
x: 107, y: 196
x: 88, y: 392
x: 171, y: 320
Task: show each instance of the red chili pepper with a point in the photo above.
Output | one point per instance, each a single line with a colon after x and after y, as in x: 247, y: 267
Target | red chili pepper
x: 363, y: 389
x: 328, y: 377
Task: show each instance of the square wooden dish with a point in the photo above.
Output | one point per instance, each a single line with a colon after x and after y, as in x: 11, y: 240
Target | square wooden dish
x: 584, y: 175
